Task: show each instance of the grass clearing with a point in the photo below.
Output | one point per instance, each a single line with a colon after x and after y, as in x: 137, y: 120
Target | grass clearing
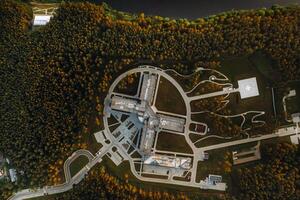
x: 169, y: 99
x: 172, y: 142
x: 241, y: 68
x: 78, y: 164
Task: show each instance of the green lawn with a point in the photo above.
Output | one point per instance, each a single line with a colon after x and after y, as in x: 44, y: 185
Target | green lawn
x: 172, y: 142
x: 169, y: 99
x: 78, y: 164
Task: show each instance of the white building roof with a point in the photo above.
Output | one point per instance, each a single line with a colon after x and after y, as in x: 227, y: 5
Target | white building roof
x: 169, y: 161
x: 148, y: 87
x: 123, y: 104
x: 1, y: 173
x: 295, y: 139
x: 13, y: 175
x: 292, y: 93
x: 214, y: 178
x: 296, y: 117
x: 41, y: 19
x: 171, y: 123
x: 248, y: 88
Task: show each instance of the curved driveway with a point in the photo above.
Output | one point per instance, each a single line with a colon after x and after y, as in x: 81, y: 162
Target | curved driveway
x: 70, y: 181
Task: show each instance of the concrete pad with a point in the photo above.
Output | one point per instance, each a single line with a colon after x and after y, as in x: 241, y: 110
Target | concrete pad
x: 248, y: 88
x: 295, y: 139
x: 116, y: 158
x: 100, y: 137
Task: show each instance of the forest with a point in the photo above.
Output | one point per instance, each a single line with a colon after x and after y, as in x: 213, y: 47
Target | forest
x: 54, y: 79
x: 277, y: 177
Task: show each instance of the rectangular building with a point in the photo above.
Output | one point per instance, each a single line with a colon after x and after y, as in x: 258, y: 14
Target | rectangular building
x: 41, y: 20
x: 148, y: 87
x: 171, y: 123
x: 123, y: 104
x: 147, y: 139
x: 13, y: 175
x: 214, y: 179
x: 169, y: 161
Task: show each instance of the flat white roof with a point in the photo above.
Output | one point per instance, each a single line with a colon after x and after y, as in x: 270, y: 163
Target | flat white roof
x: 248, y: 88
x: 295, y: 139
x: 292, y: 93
x: 169, y: 161
x: 41, y: 19
x: 296, y: 117
x: 171, y: 123
x: 148, y: 87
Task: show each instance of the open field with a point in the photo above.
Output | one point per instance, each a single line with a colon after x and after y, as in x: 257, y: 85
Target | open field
x: 242, y: 68
x: 172, y: 142
x: 169, y: 99
x: 78, y: 164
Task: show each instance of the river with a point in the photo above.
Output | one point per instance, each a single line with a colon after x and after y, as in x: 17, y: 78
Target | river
x: 190, y: 9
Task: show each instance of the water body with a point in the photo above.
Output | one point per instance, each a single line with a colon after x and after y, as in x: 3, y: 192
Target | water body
x: 190, y: 9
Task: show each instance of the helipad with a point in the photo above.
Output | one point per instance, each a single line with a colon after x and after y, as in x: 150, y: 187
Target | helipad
x: 248, y: 88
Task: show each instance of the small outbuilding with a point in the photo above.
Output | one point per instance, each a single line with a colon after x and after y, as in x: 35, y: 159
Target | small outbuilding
x: 41, y: 20
x: 296, y: 117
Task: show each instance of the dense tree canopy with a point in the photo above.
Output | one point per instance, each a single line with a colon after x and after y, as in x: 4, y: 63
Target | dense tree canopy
x: 277, y: 177
x: 53, y: 79
x: 101, y: 185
